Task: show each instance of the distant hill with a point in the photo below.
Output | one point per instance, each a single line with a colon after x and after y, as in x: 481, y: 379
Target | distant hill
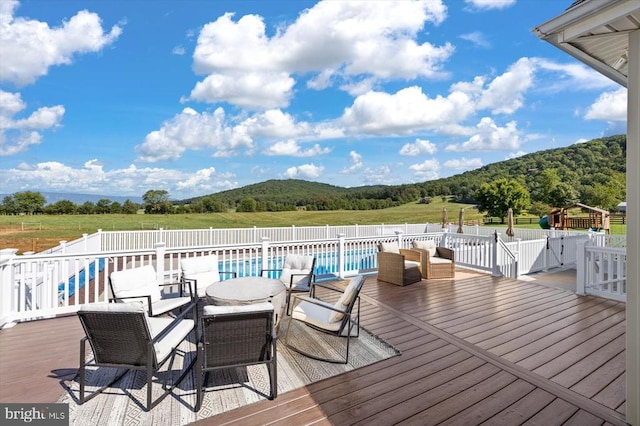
x: 586, y: 167
x: 53, y: 197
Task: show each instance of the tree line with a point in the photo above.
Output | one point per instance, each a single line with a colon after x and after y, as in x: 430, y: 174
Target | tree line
x: 592, y: 173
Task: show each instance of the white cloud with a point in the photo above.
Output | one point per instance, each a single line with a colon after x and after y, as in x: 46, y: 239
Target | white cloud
x: 309, y: 171
x: 582, y: 140
x: 491, y: 4
x: 190, y: 130
x: 355, y: 160
x: 380, y: 175
x: 419, y: 147
x: 248, y: 90
x: 427, y: 170
x: 505, y: 94
x: 570, y: 76
x: 203, y: 181
x: 463, y: 164
x: 476, y: 38
x: 178, y: 50
x: 18, y: 134
x: 31, y: 47
x: 291, y: 148
x: 331, y: 43
x: 513, y: 155
x: 93, y: 178
x: 405, y: 111
x: 610, y: 106
x: 490, y: 137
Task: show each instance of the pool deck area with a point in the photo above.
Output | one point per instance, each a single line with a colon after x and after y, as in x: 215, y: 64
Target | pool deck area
x: 475, y: 349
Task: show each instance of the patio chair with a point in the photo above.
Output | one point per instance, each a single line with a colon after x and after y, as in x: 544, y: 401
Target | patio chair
x: 141, y: 284
x: 400, y: 266
x: 200, y: 272
x: 121, y: 335
x: 336, y: 318
x: 236, y: 336
x: 296, y: 274
x: 440, y: 261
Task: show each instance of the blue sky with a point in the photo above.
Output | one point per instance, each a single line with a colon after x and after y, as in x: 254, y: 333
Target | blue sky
x: 197, y: 97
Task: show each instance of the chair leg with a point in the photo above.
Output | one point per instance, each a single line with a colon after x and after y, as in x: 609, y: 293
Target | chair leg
x: 198, y: 378
x: 273, y: 371
x: 82, y: 378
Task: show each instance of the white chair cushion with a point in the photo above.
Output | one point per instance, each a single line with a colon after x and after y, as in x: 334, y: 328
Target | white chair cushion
x: 237, y: 309
x: 169, y: 304
x: 202, y: 269
x: 203, y: 280
x: 439, y: 260
x: 391, y: 247
x: 346, y: 298
x: 411, y: 264
x: 130, y: 307
x: 430, y: 246
x: 317, y: 315
x: 199, y: 264
x: 165, y: 345
x: 140, y: 281
x: 299, y: 267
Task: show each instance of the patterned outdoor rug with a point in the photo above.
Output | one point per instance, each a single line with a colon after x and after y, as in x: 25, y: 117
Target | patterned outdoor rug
x: 225, y: 390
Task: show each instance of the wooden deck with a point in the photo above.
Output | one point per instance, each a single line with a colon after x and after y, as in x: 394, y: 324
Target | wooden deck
x: 475, y: 350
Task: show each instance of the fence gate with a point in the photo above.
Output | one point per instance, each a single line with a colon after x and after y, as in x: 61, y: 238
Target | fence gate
x: 555, y: 252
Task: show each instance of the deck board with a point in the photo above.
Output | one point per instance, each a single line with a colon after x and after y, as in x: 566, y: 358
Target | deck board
x: 475, y: 350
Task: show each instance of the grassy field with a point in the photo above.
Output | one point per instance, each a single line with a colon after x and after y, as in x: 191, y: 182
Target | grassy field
x: 38, y: 233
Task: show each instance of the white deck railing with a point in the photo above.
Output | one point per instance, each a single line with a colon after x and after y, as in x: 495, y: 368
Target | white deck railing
x: 43, y: 285
x: 40, y: 285
x: 601, y: 271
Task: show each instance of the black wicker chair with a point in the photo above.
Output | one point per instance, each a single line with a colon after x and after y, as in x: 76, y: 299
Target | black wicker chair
x: 141, y: 284
x: 121, y: 335
x: 236, y: 336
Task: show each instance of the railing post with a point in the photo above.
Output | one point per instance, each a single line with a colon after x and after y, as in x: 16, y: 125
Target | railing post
x: 63, y: 246
x: 495, y: 268
x: 85, y: 238
x: 293, y: 232
x: 341, y: 255
x: 517, y: 256
x: 581, y: 264
x: 6, y: 286
x: 399, y: 236
x: 265, y: 252
x: 161, y: 248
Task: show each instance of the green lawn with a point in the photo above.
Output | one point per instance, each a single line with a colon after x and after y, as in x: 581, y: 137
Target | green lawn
x: 42, y: 232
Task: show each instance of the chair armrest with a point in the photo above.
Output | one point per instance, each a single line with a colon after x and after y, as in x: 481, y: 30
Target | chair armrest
x: 232, y: 273
x: 178, y: 318
x: 116, y: 299
x: 189, y: 282
x: 262, y: 271
x: 446, y: 253
x: 317, y: 302
x: 313, y: 285
x: 328, y: 287
x: 413, y: 255
x: 301, y: 275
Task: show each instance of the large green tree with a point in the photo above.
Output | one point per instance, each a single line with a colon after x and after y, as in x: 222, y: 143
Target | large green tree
x: 496, y: 197
x: 28, y: 202
x: 156, y: 201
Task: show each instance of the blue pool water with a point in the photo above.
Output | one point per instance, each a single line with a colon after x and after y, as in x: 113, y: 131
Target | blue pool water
x: 82, y: 277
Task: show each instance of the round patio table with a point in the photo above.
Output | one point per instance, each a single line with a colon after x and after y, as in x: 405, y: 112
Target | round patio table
x: 249, y: 290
